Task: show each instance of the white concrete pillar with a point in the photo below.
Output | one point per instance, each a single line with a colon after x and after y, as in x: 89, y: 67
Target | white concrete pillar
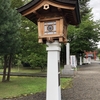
x: 89, y: 60
x: 67, y: 54
x: 53, y: 91
x: 80, y: 59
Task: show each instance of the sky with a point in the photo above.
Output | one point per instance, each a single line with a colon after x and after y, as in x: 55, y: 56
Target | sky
x: 95, y: 5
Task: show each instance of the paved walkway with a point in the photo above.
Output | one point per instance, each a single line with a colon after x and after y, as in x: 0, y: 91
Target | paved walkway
x: 86, y: 84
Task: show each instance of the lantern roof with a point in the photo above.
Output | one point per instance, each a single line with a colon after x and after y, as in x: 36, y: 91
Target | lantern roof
x: 37, y: 8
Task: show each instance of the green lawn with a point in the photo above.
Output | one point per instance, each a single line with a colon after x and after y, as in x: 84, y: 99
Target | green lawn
x: 23, y: 70
x: 26, y: 85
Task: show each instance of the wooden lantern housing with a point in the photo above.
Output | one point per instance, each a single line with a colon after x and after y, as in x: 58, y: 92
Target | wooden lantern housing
x: 52, y: 17
x: 51, y: 29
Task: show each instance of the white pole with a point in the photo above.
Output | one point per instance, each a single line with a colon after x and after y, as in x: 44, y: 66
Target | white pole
x: 67, y: 54
x: 53, y: 74
x: 80, y: 59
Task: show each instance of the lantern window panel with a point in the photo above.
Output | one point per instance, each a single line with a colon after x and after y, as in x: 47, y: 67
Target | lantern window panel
x: 50, y: 27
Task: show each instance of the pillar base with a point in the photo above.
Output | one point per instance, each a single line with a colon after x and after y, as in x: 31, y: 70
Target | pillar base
x: 68, y: 70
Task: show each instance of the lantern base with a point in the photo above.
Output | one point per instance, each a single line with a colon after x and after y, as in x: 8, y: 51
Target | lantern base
x: 52, y: 39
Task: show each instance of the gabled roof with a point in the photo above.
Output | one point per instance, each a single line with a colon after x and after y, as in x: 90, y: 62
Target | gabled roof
x: 34, y: 9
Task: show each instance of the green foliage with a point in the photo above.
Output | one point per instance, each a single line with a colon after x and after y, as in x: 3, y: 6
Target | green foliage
x: 9, y: 26
x: 84, y: 8
x: 85, y: 36
x: 9, y: 35
x: 31, y: 51
x: 98, y: 53
x: 16, y: 3
x: 99, y: 56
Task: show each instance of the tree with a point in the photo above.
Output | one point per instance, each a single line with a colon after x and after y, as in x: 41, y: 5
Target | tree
x: 16, y: 3
x: 31, y: 51
x: 84, y: 8
x: 85, y: 36
x: 9, y: 35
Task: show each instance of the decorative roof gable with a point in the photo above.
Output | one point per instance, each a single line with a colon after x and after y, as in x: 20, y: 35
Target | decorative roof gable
x: 39, y: 8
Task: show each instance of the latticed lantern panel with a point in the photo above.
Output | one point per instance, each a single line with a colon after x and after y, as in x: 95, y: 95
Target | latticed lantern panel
x: 50, y: 27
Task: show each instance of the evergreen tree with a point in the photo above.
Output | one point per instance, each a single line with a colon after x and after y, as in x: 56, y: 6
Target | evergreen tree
x: 84, y: 8
x: 17, y: 3
x: 9, y: 35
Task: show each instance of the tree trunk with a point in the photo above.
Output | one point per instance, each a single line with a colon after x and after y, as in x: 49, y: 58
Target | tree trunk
x: 4, y: 69
x: 9, y: 67
x: 2, y: 61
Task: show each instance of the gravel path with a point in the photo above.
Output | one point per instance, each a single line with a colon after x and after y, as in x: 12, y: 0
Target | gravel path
x: 86, y: 86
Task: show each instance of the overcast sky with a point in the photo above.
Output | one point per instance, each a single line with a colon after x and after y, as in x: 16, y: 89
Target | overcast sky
x: 95, y: 4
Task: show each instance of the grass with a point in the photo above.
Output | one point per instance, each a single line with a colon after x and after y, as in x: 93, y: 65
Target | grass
x: 23, y: 70
x: 26, y: 85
